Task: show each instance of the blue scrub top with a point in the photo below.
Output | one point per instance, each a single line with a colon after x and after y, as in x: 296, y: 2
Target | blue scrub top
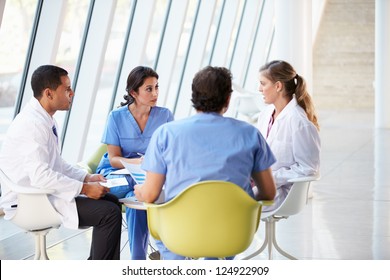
x: 207, y: 146
x: 123, y: 131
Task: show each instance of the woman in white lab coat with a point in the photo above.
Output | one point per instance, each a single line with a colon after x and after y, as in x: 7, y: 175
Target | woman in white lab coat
x: 289, y: 124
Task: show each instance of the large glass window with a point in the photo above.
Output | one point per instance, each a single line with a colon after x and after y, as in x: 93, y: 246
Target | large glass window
x: 212, y: 34
x: 15, y: 35
x: 71, y: 39
x: 233, y: 37
x: 108, y: 77
x: 175, y: 37
x: 181, y: 57
x: 156, y: 33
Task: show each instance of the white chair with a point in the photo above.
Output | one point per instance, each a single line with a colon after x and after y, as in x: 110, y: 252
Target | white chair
x: 294, y: 203
x: 246, y: 105
x: 34, y: 213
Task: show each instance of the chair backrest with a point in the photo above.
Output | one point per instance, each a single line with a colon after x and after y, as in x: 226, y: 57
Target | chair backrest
x: 93, y: 161
x: 296, y: 198
x: 208, y: 219
x: 34, y: 210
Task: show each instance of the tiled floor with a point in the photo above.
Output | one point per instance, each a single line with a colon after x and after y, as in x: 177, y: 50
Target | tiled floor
x: 348, y: 217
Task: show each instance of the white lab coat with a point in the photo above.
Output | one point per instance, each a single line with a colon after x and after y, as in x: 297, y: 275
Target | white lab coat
x: 30, y: 156
x: 296, y: 144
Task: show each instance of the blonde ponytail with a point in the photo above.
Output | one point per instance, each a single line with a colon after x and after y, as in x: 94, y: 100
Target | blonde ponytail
x: 305, y: 101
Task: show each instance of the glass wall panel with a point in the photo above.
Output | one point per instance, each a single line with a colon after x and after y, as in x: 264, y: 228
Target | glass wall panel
x: 245, y: 40
x: 75, y: 16
x: 212, y: 35
x: 236, y: 28
x: 15, y: 32
x: 261, y: 46
x: 156, y: 33
x: 180, y: 63
x: 152, y: 22
x: 139, y: 26
x: 225, y: 33
x: 169, y: 46
x: 105, y: 91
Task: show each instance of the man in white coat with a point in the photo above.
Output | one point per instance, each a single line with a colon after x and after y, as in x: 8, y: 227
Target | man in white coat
x: 30, y: 156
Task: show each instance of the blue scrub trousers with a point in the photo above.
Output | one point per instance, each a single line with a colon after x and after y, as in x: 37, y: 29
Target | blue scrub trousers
x: 137, y: 223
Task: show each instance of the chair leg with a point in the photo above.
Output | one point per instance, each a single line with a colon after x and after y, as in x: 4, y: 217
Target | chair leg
x: 270, y: 242
x: 270, y: 237
x: 124, y: 229
x: 37, y: 246
x: 43, y: 247
x: 40, y: 246
x: 274, y: 243
x: 281, y: 251
x: 263, y: 246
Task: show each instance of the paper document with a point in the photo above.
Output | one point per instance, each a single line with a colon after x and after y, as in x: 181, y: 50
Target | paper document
x: 115, y: 182
x: 136, y: 172
x: 132, y: 202
x: 123, y: 171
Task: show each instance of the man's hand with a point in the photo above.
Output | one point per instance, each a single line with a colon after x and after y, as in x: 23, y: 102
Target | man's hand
x: 94, y: 190
x: 94, y: 178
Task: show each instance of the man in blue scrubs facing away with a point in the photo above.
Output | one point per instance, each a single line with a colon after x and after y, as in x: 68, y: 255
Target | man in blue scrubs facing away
x: 206, y: 146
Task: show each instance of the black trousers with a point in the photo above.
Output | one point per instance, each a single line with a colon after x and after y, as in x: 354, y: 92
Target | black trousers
x: 105, y: 216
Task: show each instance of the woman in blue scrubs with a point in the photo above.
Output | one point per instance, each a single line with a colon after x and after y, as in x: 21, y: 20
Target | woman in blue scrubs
x: 127, y: 135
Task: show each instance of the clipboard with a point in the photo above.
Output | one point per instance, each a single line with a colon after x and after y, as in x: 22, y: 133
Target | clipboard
x: 136, y: 172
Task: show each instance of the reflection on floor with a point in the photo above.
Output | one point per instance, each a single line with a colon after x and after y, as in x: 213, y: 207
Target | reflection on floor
x: 348, y: 217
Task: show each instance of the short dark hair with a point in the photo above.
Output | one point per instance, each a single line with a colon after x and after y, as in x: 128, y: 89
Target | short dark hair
x: 211, y: 88
x: 136, y: 79
x: 46, y: 76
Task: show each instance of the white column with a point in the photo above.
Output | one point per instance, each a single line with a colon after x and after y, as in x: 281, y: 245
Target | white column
x: 382, y: 63
x: 293, y: 36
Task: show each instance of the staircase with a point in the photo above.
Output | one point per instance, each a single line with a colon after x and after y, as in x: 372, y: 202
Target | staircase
x: 343, y: 56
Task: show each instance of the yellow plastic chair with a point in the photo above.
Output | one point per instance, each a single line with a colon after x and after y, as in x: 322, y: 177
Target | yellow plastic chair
x: 208, y: 219
x: 92, y: 162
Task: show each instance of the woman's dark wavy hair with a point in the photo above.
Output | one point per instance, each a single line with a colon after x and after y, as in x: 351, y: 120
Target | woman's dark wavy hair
x: 211, y: 88
x: 136, y: 79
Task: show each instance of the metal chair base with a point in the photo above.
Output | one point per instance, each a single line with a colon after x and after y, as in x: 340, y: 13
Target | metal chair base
x: 270, y: 240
